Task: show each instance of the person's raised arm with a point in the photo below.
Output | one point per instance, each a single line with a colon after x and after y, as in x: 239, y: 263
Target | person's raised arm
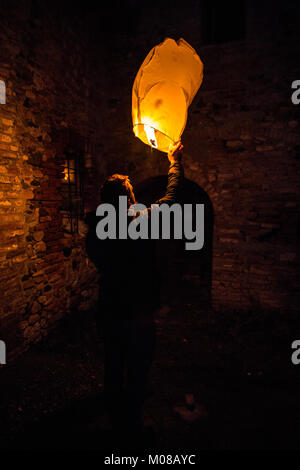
x: 175, y: 175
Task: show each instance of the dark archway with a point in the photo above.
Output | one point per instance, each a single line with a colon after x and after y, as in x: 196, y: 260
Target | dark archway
x: 186, y: 275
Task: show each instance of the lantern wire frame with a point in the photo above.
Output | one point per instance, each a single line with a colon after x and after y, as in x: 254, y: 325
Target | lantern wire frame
x: 164, y: 139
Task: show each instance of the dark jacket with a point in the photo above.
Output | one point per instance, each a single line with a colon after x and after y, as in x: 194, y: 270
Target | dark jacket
x: 129, y: 279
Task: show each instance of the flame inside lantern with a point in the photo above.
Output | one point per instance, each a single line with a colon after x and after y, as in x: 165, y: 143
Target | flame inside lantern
x: 150, y: 132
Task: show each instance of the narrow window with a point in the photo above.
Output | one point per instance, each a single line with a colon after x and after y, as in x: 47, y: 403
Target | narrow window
x: 72, y: 203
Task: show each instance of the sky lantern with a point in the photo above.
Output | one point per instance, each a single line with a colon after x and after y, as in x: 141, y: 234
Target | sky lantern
x: 163, y: 89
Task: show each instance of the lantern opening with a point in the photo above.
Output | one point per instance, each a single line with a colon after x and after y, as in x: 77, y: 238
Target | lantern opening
x: 145, y: 132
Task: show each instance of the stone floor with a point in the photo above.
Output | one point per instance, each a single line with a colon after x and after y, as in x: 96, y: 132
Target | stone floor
x: 236, y: 368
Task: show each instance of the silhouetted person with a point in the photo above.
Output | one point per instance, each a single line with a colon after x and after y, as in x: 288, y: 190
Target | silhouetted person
x: 128, y: 297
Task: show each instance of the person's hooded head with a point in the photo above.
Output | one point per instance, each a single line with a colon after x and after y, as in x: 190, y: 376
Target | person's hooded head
x: 115, y: 186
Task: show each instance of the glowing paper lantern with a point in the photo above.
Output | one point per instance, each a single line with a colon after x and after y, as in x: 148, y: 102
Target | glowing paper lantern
x: 164, y: 87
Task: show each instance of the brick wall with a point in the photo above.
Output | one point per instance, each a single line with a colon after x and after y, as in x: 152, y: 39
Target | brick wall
x: 45, y: 272
x: 246, y: 159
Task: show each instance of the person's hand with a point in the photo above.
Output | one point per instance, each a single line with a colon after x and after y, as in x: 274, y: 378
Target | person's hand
x: 175, y: 152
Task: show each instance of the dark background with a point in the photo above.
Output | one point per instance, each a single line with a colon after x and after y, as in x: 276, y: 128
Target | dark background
x: 230, y: 311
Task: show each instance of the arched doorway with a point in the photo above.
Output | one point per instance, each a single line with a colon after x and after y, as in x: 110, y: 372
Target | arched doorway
x: 186, y: 275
